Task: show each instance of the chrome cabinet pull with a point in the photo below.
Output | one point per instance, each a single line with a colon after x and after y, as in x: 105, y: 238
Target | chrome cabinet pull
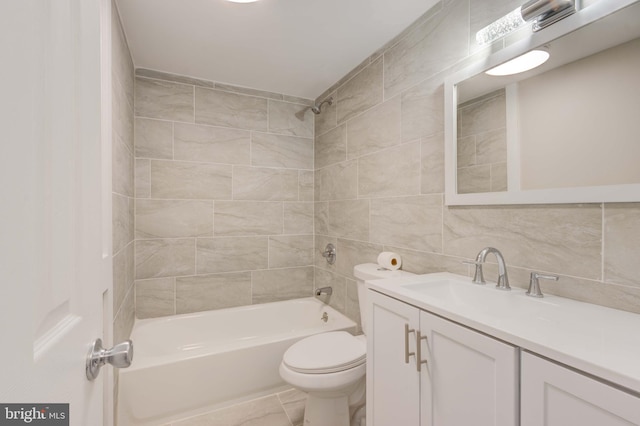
x: 419, y: 360
x: 407, y: 354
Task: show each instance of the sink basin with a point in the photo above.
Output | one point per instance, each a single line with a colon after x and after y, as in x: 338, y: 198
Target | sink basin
x: 481, y: 299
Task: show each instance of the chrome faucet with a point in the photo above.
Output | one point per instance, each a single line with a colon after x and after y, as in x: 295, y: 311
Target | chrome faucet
x: 478, y: 277
x: 324, y: 290
x: 534, y: 284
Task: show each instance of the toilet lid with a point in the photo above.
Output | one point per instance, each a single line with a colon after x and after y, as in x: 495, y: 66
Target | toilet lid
x: 326, y: 353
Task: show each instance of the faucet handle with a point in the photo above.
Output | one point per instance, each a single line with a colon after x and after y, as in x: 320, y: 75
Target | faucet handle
x: 534, y: 284
x: 478, y: 277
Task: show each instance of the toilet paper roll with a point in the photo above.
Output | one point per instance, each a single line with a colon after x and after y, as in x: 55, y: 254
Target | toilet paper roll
x: 389, y: 260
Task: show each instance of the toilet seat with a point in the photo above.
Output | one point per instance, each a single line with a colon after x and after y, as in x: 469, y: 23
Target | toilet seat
x: 326, y: 353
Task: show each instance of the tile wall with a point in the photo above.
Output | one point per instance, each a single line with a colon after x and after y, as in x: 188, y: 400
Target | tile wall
x: 379, y: 180
x: 223, y: 195
x: 482, y: 144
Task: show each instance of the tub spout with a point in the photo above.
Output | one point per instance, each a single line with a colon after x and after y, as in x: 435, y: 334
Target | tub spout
x: 324, y: 290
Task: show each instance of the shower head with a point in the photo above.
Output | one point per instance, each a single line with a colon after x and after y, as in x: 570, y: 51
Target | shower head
x: 316, y: 109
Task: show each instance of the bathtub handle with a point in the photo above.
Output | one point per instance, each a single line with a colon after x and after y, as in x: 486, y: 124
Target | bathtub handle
x: 120, y: 356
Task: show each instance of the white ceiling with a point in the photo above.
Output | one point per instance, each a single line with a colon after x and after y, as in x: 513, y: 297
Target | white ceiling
x: 295, y: 47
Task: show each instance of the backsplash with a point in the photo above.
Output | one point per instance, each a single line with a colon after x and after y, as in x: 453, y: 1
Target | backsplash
x: 379, y: 180
x: 223, y: 196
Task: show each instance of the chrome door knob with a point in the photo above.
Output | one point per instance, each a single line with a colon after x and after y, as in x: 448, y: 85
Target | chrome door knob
x: 120, y: 356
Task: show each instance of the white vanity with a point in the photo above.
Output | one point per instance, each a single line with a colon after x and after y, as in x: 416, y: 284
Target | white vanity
x: 443, y: 351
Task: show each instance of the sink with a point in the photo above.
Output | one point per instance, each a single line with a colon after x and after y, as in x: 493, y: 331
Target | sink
x: 469, y: 297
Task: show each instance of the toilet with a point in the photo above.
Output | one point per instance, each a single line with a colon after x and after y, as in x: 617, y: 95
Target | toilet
x: 330, y: 367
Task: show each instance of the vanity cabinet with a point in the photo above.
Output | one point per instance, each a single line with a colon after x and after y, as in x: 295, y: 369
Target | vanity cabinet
x: 553, y: 395
x: 425, y: 370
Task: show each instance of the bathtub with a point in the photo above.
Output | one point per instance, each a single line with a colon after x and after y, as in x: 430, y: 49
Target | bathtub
x: 189, y: 364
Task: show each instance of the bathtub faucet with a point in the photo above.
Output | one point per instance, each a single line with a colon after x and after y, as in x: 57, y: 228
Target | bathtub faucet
x: 324, y: 290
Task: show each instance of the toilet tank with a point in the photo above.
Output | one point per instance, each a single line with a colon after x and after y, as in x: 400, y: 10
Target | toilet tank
x: 371, y: 271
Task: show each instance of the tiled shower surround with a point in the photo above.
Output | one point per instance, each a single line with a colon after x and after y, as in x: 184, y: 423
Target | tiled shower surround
x: 379, y: 180
x: 234, y: 203
x: 224, y: 196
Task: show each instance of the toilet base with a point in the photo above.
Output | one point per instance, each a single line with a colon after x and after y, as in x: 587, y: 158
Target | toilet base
x: 336, y: 409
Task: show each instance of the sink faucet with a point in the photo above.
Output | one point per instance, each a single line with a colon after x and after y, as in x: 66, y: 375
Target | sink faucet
x: 478, y: 278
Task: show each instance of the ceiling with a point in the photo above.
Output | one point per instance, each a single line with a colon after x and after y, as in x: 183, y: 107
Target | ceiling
x: 295, y: 47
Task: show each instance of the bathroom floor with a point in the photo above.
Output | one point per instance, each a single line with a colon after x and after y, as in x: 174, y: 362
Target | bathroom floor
x: 279, y: 409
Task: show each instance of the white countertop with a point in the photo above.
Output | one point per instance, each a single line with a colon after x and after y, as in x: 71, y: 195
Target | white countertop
x: 600, y: 341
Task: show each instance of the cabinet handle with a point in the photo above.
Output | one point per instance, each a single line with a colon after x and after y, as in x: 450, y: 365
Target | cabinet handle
x: 407, y: 354
x: 419, y: 360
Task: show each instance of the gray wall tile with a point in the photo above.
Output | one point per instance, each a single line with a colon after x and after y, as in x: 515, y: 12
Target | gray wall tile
x: 433, y: 46
x: 412, y: 222
x: 432, y: 164
x: 361, y: 92
x: 337, y: 182
x: 622, y: 243
x: 281, y: 151
x: 230, y: 110
x: 155, y: 298
x: 331, y: 147
x: 142, y: 178
x: 122, y: 179
x: 165, y: 257
x: 423, y: 110
x: 208, y: 292
x: 282, y: 284
x: 290, y: 119
x: 395, y: 171
x: 153, y: 138
x: 248, y: 218
x: 211, y: 144
x: 328, y: 119
x: 123, y: 222
x: 349, y: 219
x: 172, y: 218
x: 298, y: 218
x: 164, y: 100
x: 264, y: 184
x: 376, y: 129
x: 561, y: 238
x: 231, y: 254
x: 305, y: 185
x: 182, y: 180
x: 290, y: 251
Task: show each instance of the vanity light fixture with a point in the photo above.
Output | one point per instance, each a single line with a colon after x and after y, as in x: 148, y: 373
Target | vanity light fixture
x: 542, y: 12
x: 522, y: 63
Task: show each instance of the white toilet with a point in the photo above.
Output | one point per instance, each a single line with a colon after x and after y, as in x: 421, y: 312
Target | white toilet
x: 331, y: 367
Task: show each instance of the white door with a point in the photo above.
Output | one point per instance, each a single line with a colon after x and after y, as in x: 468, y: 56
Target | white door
x: 55, y: 232
x: 556, y: 396
x: 393, y: 381
x: 469, y: 379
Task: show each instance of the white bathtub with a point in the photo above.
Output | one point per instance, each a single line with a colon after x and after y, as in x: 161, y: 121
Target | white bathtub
x: 189, y: 364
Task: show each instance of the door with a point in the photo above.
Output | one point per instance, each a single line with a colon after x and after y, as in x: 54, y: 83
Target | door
x: 55, y: 234
x: 393, y: 383
x: 553, y: 395
x: 469, y: 378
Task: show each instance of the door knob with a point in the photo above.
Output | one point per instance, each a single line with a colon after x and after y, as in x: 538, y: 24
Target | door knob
x: 120, y: 356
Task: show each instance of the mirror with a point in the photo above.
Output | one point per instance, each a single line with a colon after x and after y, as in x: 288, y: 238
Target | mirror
x: 565, y: 132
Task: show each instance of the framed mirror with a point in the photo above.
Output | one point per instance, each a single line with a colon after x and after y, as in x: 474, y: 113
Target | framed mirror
x: 567, y: 131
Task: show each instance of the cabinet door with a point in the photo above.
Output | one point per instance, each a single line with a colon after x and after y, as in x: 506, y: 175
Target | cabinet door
x: 553, y: 395
x: 393, y: 386
x: 469, y: 378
